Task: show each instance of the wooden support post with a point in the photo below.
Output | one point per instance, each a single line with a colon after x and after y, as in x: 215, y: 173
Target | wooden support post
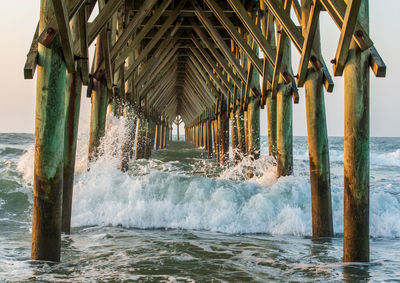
x: 269, y: 31
x: 147, y: 139
x: 234, y: 138
x: 216, y: 141
x: 284, y: 118
x: 140, y: 138
x: 356, y: 149
x: 210, y: 141
x: 160, y: 139
x: 318, y: 147
x: 246, y: 133
x: 240, y: 132
x: 129, y: 139
x: 72, y: 108
x: 223, y: 120
x: 253, y: 109
x: 271, y: 119
x: 99, y: 106
x: 253, y: 116
x: 49, y: 145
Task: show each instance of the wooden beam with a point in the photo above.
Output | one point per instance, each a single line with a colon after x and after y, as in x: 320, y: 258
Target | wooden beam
x: 253, y: 29
x: 377, y: 64
x: 139, y: 37
x: 168, y: 22
x: 32, y: 57
x: 217, y: 38
x: 102, y: 18
x: 155, y: 61
x: 83, y: 45
x: 216, y: 54
x: 61, y: 13
x: 132, y: 26
x: 231, y: 29
x: 208, y: 70
x: 348, y: 27
x: 213, y: 64
x: 105, y: 37
x: 295, y: 35
x: 337, y: 10
x: 312, y: 27
x: 280, y: 49
x: 72, y: 7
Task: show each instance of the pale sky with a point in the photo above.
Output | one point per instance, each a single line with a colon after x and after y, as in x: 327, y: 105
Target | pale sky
x: 18, y: 21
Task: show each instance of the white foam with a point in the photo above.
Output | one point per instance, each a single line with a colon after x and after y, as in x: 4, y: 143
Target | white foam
x: 156, y: 195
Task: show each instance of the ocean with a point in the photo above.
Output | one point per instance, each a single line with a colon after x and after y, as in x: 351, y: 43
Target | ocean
x: 179, y: 218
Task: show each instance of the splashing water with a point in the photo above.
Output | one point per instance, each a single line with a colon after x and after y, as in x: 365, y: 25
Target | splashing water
x: 265, y: 221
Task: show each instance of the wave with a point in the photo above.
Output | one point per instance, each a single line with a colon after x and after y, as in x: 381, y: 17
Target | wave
x: 152, y: 195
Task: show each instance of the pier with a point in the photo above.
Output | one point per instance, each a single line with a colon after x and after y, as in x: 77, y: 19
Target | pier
x: 211, y: 65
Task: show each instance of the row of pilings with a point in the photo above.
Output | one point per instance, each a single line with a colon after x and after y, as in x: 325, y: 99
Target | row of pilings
x: 57, y: 116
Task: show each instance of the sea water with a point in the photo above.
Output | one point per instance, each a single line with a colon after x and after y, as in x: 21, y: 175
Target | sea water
x: 177, y: 217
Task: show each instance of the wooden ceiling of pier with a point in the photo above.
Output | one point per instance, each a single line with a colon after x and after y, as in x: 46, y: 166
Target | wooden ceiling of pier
x: 186, y: 56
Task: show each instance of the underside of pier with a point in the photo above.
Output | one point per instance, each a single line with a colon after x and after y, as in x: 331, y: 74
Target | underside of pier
x: 211, y: 65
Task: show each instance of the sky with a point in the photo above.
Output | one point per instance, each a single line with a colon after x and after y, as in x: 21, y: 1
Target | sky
x: 18, y: 21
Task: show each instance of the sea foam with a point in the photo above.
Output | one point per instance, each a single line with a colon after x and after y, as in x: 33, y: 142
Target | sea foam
x: 153, y: 196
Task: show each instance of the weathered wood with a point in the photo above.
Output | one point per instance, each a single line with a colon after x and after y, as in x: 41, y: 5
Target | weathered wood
x: 108, y: 70
x: 309, y: 39
x: 377, y: 64
x: 318, y: 148
x: 168, y: 22
x: 284, y: 121
x: 348, y: 27
x: 356, y: 149
x: 120, y: 45
x: 102, y: 18
x: 32, y: 57
x: 232, y: 30
x: 337, y: 10
x: 72, y: 108
x: 216, y: 54
x: 98, y: 107
x: 49, y: 145
x: 83, y: 46
x: 61, y: 13
x: 295, y: 35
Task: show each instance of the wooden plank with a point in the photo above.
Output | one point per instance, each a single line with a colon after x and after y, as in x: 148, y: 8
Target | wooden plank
x: 72, y: 7
x: 280, y: 47
x: 60, y: 10
x: 312, y: 26
x: 208, y: 70
x: 348, y: 27
x: 83, y: 45
x: 297, y: 9
x: 217, y: 38
x: 32, y: 57
x: 102, y: 18
x: 337, y: 10
x: 216, y: 54
x: 213, y: 64
x: 133, y: 25
x: 377, y: 64
x: 295, y: 35
x: 252, y: 28
x: 231, y: 29
x: 166, y: 25
x: 105, y: 37
x: 162, y: 51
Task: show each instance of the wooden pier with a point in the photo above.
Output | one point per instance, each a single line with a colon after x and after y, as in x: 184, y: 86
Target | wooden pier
x: 211, y: 65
